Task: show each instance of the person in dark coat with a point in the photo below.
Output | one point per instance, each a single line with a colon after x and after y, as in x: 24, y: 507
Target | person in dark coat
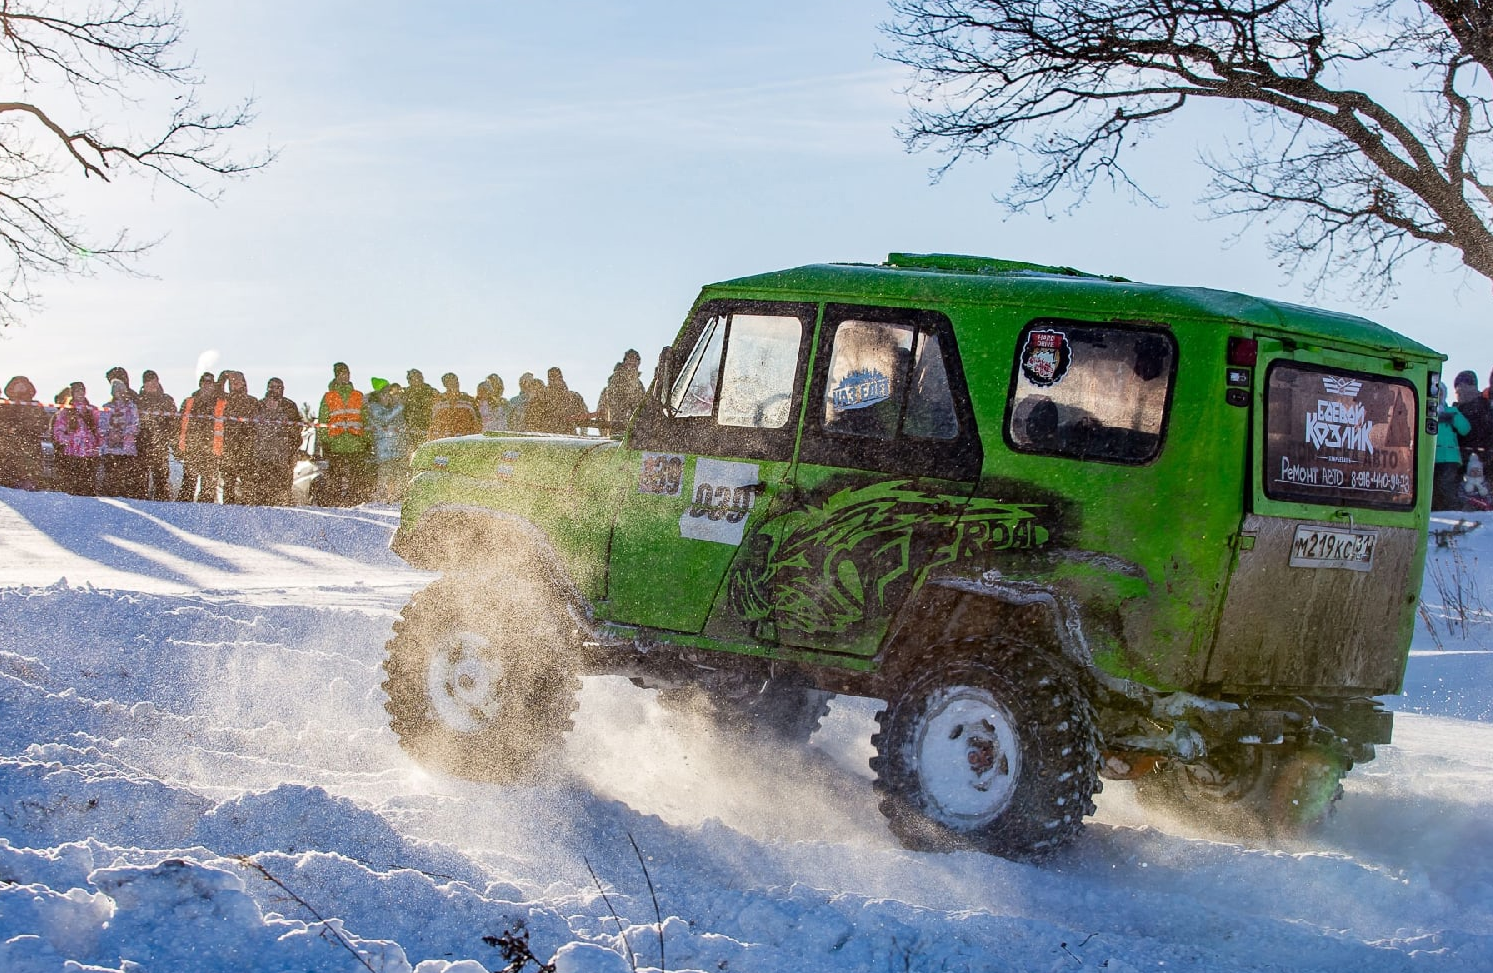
x: 621, y: 397
x: 419, y: 397
x: 158, y: 428
x: 200, y: 442
x: 1469, y: 402
x: 454, y: 413
x: 23, y: 430
x: 277, y: 445
x: 239, y: 410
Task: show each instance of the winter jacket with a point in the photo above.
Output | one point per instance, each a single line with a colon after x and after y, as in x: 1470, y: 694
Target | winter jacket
x: 277, y: 432
x: 342, y: 421
x: 23, y: 429
x: 158, y: 422
x: 75, y: 431
x: 418, y: 401
x: 119, y: 427
x: 202, y: 426
x: 386, y: 424
x: 494, y: 413
x: 454, y: 415
x: 1479, y: 438
x: 1449, y: 433
x: 239, y: 409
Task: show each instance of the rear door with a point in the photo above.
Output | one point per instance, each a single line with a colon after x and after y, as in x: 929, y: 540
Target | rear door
x: 1321, y: 597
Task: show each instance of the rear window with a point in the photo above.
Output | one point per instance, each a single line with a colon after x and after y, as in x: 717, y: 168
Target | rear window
x: 1339, y: 438
x: 1091, y: 392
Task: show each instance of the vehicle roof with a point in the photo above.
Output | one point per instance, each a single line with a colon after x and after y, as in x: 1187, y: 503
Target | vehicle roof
x: 943, y: 279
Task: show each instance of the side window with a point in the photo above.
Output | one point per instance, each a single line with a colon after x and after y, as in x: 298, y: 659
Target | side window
x: 738, y: 367
x: 694, y: 392
x: 889, y: 396
x: 886, y: 380
x: 761, y: 363
x: 1092, y: 392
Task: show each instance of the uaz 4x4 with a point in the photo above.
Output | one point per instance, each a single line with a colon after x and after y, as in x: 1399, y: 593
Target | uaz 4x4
x: 1064, y: 526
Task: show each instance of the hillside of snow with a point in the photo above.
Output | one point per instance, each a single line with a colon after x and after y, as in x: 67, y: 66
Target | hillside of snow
x: 196, y: 775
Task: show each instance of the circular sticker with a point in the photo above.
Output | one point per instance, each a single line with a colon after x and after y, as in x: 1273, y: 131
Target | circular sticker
x: 1045, y: 357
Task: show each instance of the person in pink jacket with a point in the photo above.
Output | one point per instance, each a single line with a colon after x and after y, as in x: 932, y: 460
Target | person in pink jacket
x: 76, y: 439
x: 119, y: 432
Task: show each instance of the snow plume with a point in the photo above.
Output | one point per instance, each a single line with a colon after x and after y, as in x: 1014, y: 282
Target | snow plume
x: 207, y: 361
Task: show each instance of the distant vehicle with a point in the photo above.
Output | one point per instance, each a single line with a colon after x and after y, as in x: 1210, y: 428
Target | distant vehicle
x: 1065, y: 526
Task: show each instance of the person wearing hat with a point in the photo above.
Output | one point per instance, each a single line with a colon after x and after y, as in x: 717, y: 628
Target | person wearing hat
x: 76, y: 439
x: 119, y: 430
x: 1446, y: 483
x: 342, y: 437
x: 390, y: 451
x: 418, y: 396
x: 23, y: 430
x: 124, y: 474
x: 621, y: 397
x: 277, y: 445
x: 158, y: 421
x: 239, y: 411
x: 199, y: 445
x: 454, y: 413
x: 1479, y: 414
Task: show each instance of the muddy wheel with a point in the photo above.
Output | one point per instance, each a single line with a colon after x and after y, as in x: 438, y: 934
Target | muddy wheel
x: 991, y: 748
x: 781, y: 709
x: 477, y: 681
x: 1253, y: 792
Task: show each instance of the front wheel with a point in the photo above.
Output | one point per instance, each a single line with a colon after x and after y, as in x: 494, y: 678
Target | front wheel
x: 991, y: 747
x: 477, y: 681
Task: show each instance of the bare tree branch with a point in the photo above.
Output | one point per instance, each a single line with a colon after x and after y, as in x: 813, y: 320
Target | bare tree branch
x: 1347, y: 180
x: 72, y: 62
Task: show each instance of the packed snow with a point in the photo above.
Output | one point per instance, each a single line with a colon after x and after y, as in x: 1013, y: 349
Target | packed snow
x: 196, y: 775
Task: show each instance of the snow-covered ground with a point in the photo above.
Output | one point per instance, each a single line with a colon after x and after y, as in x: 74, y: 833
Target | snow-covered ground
x: 196, y: 775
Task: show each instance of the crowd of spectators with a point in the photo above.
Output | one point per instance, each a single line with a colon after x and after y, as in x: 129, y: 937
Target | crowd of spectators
x: 232, y: 447
x: 1464, y: 446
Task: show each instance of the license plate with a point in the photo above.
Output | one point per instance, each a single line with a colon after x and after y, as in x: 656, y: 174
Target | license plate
x: 1334, y: 547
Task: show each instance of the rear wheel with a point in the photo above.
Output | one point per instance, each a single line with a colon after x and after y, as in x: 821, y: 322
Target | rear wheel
x: 991, y: 748
x: 477, y: 679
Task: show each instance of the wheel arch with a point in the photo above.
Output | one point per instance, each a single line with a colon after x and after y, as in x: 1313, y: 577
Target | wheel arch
x: 953, y: 610
x: 459, y: 539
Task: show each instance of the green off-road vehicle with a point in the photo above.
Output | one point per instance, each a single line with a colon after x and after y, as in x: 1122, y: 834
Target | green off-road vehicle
x: 1064, y: 526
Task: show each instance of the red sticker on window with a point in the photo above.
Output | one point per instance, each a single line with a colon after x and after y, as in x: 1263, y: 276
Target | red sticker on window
x: 1045, y: 357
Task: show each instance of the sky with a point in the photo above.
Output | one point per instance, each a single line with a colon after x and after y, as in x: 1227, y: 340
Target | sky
x: 481, y: 187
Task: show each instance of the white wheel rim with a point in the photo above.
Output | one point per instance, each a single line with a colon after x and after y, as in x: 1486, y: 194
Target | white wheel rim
x: 967, y: 757
x: 464, y: 682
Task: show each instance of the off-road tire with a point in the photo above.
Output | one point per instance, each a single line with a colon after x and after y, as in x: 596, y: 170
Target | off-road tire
x: 478, y: 680
x: 989, y: 746
x: 1254, y: 792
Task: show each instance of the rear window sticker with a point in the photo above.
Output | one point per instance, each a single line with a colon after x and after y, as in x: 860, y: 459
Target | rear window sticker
x: 1045, y: 357
x: 723, y: 497
x: 861, y: 388
x: 662, y: 474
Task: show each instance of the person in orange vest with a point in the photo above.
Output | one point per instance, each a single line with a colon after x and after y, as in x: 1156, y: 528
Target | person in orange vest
x: 200, y: 444
x: 342, y: 437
